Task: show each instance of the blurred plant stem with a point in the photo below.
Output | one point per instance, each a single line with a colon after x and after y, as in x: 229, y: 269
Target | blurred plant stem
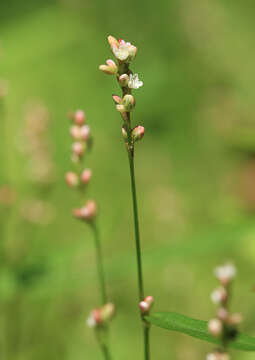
x: 99, y: 262
x: 101, y: 334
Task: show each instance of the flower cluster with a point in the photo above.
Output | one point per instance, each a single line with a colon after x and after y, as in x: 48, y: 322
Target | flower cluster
x: 224, y: 326
x: 101, y: 316
x: 80, y: 133
x: 124, y: 53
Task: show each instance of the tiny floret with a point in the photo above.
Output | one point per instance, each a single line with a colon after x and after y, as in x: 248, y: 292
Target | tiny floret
x: 134, y: 82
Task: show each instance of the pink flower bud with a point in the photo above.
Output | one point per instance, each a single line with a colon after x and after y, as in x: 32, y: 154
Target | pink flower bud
x: 222, y: 314
x: 116, y: 99
x: 144, y: 307
x: 75, y: 132
x: 78, y: 148
x: 149, y: 300
x: 72, y: 179
x: 215, y: 327
x: 85, y: 132
x: 86, y: 176
x: 138, y: 133
x: 87, y: 212
x: 79, y: 117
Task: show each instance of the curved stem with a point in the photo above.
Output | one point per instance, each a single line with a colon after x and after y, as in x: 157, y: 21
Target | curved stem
x: 99, y: 261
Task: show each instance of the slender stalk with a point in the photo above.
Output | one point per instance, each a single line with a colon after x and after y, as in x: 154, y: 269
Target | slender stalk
x: 147, y: 341
x: 99, y: 262
x: 146, y: 326
x: 136, y: 228
x: 101, y: 337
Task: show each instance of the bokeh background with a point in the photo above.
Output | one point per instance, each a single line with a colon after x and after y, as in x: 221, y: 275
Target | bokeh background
x: 195, y: 171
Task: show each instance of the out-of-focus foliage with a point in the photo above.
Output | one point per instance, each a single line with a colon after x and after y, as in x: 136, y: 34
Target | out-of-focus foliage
x: 195, y: 170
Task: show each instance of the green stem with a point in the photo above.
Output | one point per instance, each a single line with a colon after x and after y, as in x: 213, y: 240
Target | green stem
x: 136, y: 226
x: 101, y: 335
x: 147, y: 341
x: 99, y: 261
x: 146, y: 329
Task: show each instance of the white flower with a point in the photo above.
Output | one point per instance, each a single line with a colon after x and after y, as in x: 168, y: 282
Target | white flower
x: 225, y: 273
x: 134, y: 82
x: 91, y: 322
x: 122, y: 51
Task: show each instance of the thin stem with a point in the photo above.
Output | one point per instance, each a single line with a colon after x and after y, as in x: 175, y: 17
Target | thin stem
x: 99, y: 261
x: 136, y: 227
x: 101, y: 335
x: 147, y: 341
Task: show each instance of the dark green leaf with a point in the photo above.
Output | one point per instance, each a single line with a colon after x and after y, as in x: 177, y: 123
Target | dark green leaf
x: 197, y: 329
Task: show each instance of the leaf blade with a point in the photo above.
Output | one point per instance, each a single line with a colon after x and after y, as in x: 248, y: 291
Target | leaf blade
x: 197, y: 329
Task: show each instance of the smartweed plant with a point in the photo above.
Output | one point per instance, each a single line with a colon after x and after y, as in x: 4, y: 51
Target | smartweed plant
x: 125, y: 53
x: 221, y: 330
x: 79, y: 179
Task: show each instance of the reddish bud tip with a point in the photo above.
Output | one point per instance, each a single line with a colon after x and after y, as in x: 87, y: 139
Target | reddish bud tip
x: 86, y: 176
x: 79, y: 117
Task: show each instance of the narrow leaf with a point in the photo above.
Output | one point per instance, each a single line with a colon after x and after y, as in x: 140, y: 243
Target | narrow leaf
x: 197, y: 328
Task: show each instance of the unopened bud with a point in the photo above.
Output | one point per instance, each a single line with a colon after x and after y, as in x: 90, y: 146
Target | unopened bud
x: 222, y: 314
x: 78, y: 148
x: 219, y: 295
x: 75, y: 132
x: 79, y: 117
x: 72, y: 179
x: 112, y: 41
x: 132, y: 51
x: 85, y: 132
x: 146, y: 305
x: 94, y: 318
x: 110, y: 68
x: 116, y: 99
x: 215, y: 327
x: 128, y: 102
x: 86, y: 176
x: 123, y: 80
x: 124, y: 133
x: 107, y: 312
x: 87, y: 212
x: 150, y: 300
x: 138, y: 133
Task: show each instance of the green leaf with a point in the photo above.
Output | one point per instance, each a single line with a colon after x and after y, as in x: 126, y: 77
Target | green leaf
x: 197, y: 328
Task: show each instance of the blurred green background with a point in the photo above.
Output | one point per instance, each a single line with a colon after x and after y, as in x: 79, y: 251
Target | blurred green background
x: 195, y: 171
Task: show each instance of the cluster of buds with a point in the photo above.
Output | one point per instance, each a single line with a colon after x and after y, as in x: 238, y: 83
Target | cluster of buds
x: 124, y: 53
x: 224, y: 326
x: 101, y: 316
x: 146, y: 305
x: 80, y: 133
